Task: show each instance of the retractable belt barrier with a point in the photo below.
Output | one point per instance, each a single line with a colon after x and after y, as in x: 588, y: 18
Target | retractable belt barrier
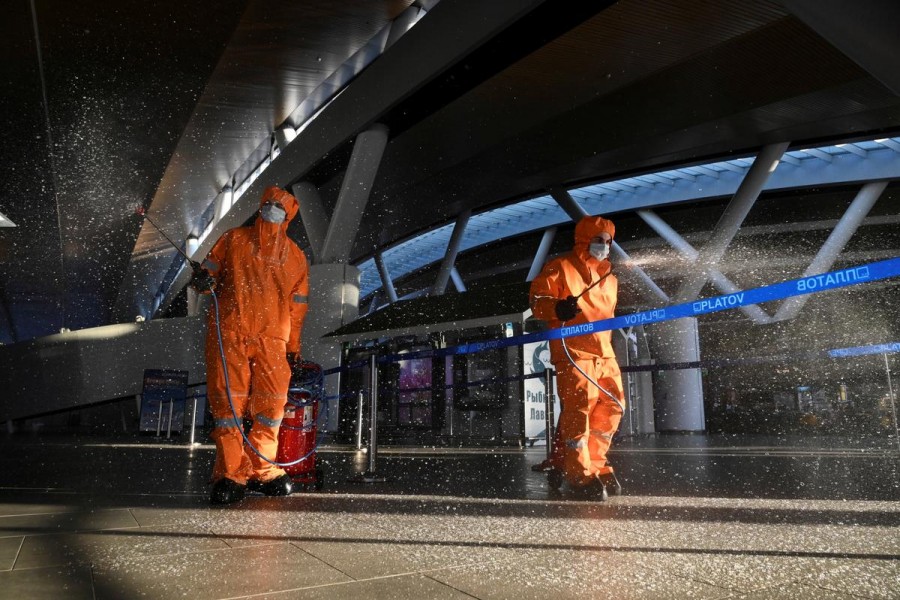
x: 779, y: 291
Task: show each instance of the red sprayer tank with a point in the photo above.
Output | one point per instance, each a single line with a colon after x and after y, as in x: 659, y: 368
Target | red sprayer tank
x: 297, y: 436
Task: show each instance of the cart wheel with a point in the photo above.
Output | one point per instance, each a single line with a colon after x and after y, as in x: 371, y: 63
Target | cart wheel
x: 555, y: 478
x: 320, y: 478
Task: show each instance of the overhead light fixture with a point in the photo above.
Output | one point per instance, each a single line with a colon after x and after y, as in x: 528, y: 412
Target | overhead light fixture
x: 5, y: 222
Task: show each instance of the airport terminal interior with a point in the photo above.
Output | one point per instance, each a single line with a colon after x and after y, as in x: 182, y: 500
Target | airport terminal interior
x: 442, y: 152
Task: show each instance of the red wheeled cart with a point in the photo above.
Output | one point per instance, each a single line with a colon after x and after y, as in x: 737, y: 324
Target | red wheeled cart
x: 297, y: 436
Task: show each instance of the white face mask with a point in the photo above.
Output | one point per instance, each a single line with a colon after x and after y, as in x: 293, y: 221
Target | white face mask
x: 599, y: 251
x: 272, y: 213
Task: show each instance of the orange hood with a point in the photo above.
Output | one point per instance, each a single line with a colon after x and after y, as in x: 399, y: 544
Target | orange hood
x: 290, y: 204
x: 273, y: 240
x: 587, y: 229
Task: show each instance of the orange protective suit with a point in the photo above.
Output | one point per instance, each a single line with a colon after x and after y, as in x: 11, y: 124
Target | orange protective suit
x: 589, y: 418
x: 262, y: 287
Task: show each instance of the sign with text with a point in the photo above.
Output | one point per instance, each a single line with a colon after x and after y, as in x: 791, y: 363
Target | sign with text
x: 537, y: 360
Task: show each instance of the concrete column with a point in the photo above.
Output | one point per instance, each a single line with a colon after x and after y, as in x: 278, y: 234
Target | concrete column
x: 644, y: 415
x: 333, y: 302
x: 457, y: 279
x: 566, y: 202
x: 730, y: 221
x: 679, y: 393
x: 722, y: 283
x: 312, y: 215
x: 386, y: 281
x: 443, y: 277
x: 622, y: 347
x: 355, y: 189
x: 540, y: 257
x: 831, y: 249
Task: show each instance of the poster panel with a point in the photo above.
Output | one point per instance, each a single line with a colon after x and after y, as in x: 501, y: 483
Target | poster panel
x: 162, y: 386
x: 537, y: 360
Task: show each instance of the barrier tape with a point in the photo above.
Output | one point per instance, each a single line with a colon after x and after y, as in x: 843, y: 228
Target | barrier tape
x: 889, y: 348
x: 779, y: 291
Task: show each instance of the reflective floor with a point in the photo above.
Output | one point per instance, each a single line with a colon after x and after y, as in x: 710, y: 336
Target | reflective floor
x: 702, y: 517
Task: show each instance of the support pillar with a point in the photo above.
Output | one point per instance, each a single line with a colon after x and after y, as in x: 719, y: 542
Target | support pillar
x: 679, y: 393
x: 457, y: 279
x: 540, y: 257
x: 644, y: 411
x: 333, y: 302
x: 356, y: 186
x: 722, y: 283
x: 312, y: 215
x: 386, y: 281
x: 831, y: 249
x: 743, y: 200
x: 443, y: 277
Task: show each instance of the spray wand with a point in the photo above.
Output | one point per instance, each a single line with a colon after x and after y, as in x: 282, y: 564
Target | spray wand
x: 140, y: 210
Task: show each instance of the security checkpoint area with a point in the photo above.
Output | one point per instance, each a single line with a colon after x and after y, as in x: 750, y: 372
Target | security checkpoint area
x: 568, y: 300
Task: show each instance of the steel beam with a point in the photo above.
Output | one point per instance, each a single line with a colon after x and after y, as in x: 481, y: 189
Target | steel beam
x: 851, y: 220
x: 540, y: 257
x: 440, y: 284
x: 386, y: 282
x: 730, y: 221
x: 666, y: 232
x: 312, y: 214
x: 357, y: 184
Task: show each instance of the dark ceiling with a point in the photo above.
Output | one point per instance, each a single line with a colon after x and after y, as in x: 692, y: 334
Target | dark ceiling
x: 157, y: 105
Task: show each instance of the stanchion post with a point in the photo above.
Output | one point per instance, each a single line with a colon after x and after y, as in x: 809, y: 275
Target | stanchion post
x: 373, y: 412
x: 169, y: 427
x: 887, y: 369
x: 193, y: 417
x: 369, y: 476
x: 359, y: 421
x: 548, y: 410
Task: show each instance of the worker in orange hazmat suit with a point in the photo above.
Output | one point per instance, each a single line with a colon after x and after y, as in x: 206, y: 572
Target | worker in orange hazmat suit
x: 575, y: 288
x: 260, y: 278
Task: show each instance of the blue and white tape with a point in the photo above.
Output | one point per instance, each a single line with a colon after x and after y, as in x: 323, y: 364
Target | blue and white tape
x: 779, y: 291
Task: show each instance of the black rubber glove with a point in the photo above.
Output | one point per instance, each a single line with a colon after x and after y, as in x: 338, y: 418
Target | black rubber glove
x: 567, y: 309
x: 201, y: 281
x: 293, y: 359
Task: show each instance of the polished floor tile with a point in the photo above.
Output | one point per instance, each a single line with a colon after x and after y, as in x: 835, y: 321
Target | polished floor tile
x: 212, y: 574
x: 69, y: 582
x: 9, y: 550
x: 112, y: 546
x: 130, y: 518
x: 562, y: 574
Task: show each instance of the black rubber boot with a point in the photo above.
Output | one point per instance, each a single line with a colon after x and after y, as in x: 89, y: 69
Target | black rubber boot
x: 592, y: 490
x: 555, y: 479
x: 280, y: 486
x: 612, y: 484
x: 226, y: 491
x: 543, y: 467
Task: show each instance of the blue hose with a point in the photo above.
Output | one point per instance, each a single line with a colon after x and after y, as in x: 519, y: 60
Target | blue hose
x: 586, y: 376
